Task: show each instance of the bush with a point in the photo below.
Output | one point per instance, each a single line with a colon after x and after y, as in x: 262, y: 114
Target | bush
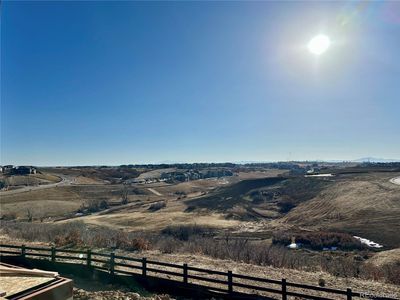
x: 157, y: 206
x: 318, y: 240
x: 9, y: 216
x: 184, y: 232
x: 72, y: 238
x: 139, y: 244
x: 76, y: 234
x: 197, y: 239
x: 95, y: 205
x: 2, y: 184
x: 321, y: 282
x: 43, y: 232
x: 285, y: 206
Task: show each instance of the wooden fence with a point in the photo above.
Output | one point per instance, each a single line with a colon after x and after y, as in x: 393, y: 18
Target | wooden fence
x: 221, y: 282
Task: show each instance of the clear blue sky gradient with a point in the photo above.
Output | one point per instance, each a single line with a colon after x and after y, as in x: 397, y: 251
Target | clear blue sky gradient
x: 132, y: 82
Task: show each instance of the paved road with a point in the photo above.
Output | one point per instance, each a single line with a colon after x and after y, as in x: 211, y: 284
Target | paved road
x: 395, y: 180
x: 64, y: 181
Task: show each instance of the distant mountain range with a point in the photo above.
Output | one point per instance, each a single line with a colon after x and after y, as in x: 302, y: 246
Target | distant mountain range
x: 359, y: 160
x: 376, y: 160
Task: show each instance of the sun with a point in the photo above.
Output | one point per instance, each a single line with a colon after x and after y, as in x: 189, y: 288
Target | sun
x: 319, y: 44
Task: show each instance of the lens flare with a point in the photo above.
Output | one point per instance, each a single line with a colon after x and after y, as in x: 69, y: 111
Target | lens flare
x: 319, y: 44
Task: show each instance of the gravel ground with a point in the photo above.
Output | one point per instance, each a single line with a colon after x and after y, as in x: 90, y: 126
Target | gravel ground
x: 80, y: 294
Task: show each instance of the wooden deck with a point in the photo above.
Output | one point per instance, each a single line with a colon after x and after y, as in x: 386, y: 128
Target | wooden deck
x: 20, y: 286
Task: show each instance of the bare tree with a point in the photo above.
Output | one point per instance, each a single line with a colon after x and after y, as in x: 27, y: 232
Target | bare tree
x: 124, y: 195
x: 29, y: 215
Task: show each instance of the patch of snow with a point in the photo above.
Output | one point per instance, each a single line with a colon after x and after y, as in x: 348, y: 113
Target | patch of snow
x: 319, y: 175
x: 395, y: 180
x: 223, y: 181
x: 368, y: 242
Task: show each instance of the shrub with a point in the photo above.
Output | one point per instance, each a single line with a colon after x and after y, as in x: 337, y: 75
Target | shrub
x: 169, y: 245
x: 2, y: 184
x: 76, y: 234
x: 321, y: 282
x: 72, y: 238
x: 9, y: 216
x: 94, y: 205
x: 157, y: 206
x: 184, y: 232
x: 138, y: 244
x: 41, y: 231
x: 318, y: 240
x: 285, y: 206
x: 197, y: 239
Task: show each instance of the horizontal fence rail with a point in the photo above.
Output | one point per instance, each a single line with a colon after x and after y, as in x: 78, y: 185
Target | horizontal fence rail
x: 226, y: 282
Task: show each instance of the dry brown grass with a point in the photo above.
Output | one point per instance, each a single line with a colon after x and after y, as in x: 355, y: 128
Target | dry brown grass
x: 365, y: 205
x: 43, y: 203
x: 196, y: 187
x: 276, y: 273
x: 260, y: 174
x: 151, y: 221
x: 386, y: 257
x: 62, y: 200
x: 88, y: 180
x: 202, y: 239
x: 32, y: 179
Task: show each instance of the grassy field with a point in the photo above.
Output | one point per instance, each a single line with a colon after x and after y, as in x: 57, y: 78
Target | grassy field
x: 32, y: 179
x: 241, y: 214
x: 62, y: 200
x: 364, y: 204
x: 255, y: 203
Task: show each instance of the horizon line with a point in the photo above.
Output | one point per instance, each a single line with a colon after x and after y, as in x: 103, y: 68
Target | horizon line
x: 242, y: 162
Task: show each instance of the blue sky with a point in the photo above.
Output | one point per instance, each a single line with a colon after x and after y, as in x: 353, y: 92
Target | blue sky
x: 143, y: 82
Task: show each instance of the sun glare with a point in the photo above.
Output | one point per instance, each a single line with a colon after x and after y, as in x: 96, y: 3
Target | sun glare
x: 319, y: 44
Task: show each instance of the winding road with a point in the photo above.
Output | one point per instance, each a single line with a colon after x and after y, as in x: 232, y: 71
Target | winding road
x: 65, y: 180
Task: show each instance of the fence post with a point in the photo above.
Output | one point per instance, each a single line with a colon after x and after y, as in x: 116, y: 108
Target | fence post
x: 23, y: 251
x: 230, y: 282
x: 144, y: 266
x: 185, y: 273
x: 112, y: 262
x: 349, y: 294
x: 88, y: 257
x: 284, y: 294
x: 53, y: 254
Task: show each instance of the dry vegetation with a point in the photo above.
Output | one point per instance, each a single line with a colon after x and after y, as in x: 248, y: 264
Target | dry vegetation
x: 318, y: 240
x: 247, y: 218
x: 26, y: 180
x: 367, y: 205
x: 199, y: 240
x: 98, y: 174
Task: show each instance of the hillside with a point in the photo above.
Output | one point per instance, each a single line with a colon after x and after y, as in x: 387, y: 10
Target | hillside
x: 203, y: 261
x: 367, y: 205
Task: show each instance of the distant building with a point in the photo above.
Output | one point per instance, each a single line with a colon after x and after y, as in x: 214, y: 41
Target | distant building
x: 7, y: 169
x: 24, y: 170
x: 313, y: 171
x: 19, y: 170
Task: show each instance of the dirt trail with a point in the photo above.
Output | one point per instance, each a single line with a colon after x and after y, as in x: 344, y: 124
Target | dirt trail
x: 154, y: 192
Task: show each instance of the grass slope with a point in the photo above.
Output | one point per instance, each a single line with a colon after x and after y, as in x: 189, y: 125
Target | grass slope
x: 367, y: 205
